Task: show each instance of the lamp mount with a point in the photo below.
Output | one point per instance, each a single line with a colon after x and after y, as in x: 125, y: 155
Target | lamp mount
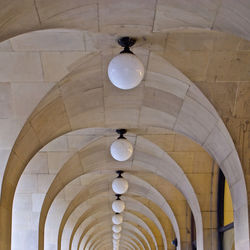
x: 175, y: 242
x: 126, y: 42
x: 119, y: 172
x: 121, y: 132
x: 118, y: 196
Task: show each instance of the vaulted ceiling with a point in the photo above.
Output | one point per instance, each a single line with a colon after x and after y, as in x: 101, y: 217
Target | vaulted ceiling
x: 59, y: 112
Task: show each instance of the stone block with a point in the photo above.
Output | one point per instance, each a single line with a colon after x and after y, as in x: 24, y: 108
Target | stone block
x: 184, y: 160
x: 80, y: 16
x: 51, y: 121
x: 49, y: 40
x: 27, y: 184
x: 242, y: 102
x: 44, y: 181
x: 59, y: 144
x: 202, y: 163
x: 5, y: 46
x: 231, y: 168
x: 201, y: 183
x: 27, y: 143
x: 159, y: 65
x: 56, y: 64
x: 228, y: 66
x: 22, y: 202
x: 113, y: 16
x: 38, y: 164
x: 14, y: 70
x: 195, y: 121
x: 166, y: 84
x: 5, y: 101
x: 226, y: 42
x: 4, y: 155
x: 56, y: 160
x: 217, y: 145
x: 26, y: 97
x: 77, y: 142
x: 185, y: 144
x: 209, y: 220
x: 162, y: 101
x: 221, y: 94
x: 193, y: 64
x: 190, y: 41
x: 165, y: 142
x: 233, y: 18
x: 174, y: 14
x: 37, y: 202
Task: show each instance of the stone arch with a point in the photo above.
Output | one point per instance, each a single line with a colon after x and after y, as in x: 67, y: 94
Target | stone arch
x: 99, y: 194
x: 191, y: 115
x: 135, y: 237
x: 95, y: 210
x: 165, y: 207
x: 165, y: 167
x: 109, y: 245
x: 126, y: 227
x: 145, y: 212
x: 129, y: 238
x: 136, y: 220
x: 98, y: 243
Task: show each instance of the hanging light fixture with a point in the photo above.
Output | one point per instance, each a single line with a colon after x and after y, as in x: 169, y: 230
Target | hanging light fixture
x: 116, y: 244
x: 121, y: 149
x: 116, y: 236
x: 116, y: 241
x: 116, y: 228
x: 126, y: 71
x: 117, y: 219
x: 119, y: 184
x: 118, y: 205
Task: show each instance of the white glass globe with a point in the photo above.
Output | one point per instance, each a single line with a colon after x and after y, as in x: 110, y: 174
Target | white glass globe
x: 118, y: 206
x: 115, y: 246
x: 117, y: 219
x: 116, y: 236
x: 116, y: 228
x: 125, y: 71
x: 121, y: 149
x: 116, y: 243
x: 120, y: 185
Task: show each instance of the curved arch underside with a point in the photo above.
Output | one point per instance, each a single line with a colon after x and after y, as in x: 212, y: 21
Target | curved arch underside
x: 166, y: 100
x: 132, y: 17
